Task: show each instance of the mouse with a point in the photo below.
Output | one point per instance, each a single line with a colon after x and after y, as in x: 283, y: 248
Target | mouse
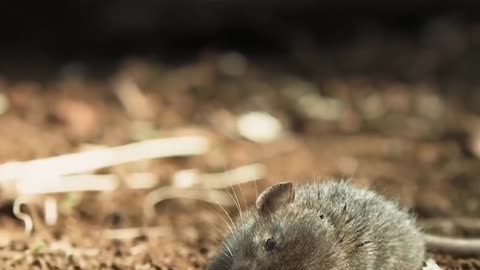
x: 329, y: 225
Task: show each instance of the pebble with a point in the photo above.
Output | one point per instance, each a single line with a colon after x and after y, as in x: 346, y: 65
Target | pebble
x: 259, y: 127
x: 81, y: 118
x: 233, y: 64
x: 430, y: 105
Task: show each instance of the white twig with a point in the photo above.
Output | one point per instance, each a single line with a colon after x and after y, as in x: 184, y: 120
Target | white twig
x: 170, y: 192
x: 27, y: 220
x: 82, y: 182
x: 100, y: 158
x: 236, y: 176
x: 60, y: 184
x: 51, y: 211
x: 67, y: 184
x: 133, y: 99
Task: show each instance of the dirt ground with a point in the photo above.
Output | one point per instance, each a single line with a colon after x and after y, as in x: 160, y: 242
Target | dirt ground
x: 415, y: 139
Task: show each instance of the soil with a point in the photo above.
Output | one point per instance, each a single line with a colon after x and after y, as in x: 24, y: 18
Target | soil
x: 413, y: 140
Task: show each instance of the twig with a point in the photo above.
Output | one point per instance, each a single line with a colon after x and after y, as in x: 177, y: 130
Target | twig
x: 236, y: 176
x: 449, y: 225
x: 67, y: 184
x: 83, y: 182
x: 170, y: 192
x: 100, y: 158
x: 27, y: 219
x: 193, y: 185
x: 51, y: 211
x: 133, y: 99
x: 449, y: 245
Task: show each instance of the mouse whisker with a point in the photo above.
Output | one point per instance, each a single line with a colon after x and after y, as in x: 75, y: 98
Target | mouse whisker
x: 243, y: 196
x: 230, y: 225
x: 229, y: 250
x: 226, y: 212
x: 203, y: 260
x: 237, y: 202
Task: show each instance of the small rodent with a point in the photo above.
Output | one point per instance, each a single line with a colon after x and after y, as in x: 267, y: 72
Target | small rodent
x: 329, y: 226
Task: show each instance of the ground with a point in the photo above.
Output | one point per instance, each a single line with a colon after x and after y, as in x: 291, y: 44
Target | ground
x: 411, y: 140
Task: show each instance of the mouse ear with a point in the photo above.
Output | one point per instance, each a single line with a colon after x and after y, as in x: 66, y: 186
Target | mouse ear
x: 274, y: 197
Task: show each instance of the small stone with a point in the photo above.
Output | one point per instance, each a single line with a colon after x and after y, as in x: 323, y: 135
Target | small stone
x: 323, y: 108
x: 81, y: 119
x: 186, y: 178
x: 223, y: 121
x: 430, y: 105
x: 372, y: 106
x: 233, y: 64
x: 259, y: 127
x: 136, y: 103
x: 397, y: 99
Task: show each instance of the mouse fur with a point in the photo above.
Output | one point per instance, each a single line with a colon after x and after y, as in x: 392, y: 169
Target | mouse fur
x: 322, y: 226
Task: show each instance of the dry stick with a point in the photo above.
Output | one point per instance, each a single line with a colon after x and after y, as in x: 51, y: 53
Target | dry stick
x: 185, y: 180
x: 83, y: 182
x: 137, y: 105
x: 27, y: 220
x: 100, y: 158
x: 447, y: 225
x: 170, y: 192
x: 236, y: 176
x: 66, y: 184
x: 50, y: 208
x: 52, y: 169
x: 210, y: 181
x: 448, y: 245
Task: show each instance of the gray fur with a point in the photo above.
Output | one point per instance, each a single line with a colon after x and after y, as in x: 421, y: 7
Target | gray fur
x: 328, y: 226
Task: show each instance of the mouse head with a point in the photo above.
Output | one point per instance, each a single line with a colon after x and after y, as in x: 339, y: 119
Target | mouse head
x: 276, y: 234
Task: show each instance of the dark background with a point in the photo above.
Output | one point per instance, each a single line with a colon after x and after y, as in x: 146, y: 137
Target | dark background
x: 91, y: 29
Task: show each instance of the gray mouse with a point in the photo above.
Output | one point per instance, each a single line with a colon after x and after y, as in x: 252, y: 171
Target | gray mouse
x: 328, y: 226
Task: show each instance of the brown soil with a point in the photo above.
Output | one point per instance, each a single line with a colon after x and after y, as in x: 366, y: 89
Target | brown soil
x: 409, y: 141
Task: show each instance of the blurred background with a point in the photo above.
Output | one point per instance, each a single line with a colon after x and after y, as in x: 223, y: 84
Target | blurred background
x: 118, y: 117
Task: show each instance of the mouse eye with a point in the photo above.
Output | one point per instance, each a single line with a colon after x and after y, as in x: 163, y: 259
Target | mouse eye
x: 270, y: 244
